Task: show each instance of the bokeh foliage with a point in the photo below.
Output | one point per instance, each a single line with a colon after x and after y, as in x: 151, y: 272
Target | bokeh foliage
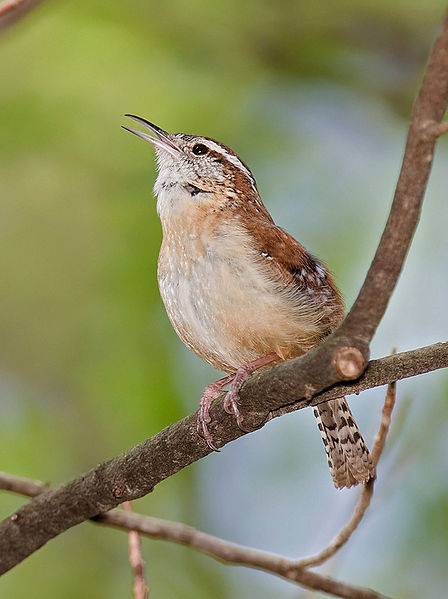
x: 89, y: 363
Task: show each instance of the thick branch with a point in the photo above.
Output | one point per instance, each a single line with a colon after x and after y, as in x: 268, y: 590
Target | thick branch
x: 429, y: 109
x: 136, y: 472
x: 378, y: 372
x: 226, y: 551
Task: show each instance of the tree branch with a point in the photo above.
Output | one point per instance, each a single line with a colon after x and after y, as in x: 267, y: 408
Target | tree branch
x: 429, y: 109
x: 140, y: 588
x: 226, y: 551
x: 293, y: 570
x: 367, y: 492
x: 136, y: 472
x: 377, y: 373
x: 342, y: 356
x: 22, y: 486
x: 232, y: 553
x: 441, y: 129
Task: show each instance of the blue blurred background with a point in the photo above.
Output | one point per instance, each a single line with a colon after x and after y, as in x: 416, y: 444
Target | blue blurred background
x: 315, y: 97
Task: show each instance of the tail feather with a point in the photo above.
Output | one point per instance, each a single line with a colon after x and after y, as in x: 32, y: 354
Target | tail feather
x: 348, y: 457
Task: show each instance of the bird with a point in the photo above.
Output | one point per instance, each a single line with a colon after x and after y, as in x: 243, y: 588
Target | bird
x: 239, y: 290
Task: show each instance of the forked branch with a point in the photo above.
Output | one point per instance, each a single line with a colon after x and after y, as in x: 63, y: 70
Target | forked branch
x: 136, y: 472
x: 293, y: 570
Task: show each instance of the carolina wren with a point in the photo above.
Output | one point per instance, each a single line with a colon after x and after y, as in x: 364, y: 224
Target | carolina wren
x: 239, y: 291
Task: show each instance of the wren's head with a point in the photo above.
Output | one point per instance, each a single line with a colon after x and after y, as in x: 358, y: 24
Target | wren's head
x: 195, y: 169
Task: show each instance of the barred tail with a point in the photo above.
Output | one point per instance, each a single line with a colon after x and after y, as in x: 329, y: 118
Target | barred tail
x: 348, y: 457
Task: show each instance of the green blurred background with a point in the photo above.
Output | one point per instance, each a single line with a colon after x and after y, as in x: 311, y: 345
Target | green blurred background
x: 315, y: 97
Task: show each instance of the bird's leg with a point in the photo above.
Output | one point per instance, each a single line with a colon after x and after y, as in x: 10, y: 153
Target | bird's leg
x: 210, y: 393
x: 214, y: 390
x: 239, y: 378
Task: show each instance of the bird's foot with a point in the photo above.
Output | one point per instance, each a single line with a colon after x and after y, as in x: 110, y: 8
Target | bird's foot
x: 231, y: 400
x: 210, y: 393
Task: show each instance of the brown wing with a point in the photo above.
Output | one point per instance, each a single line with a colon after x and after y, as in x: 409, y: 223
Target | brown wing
x: 295, y: 268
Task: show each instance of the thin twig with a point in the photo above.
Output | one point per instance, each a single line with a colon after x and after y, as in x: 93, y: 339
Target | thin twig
x: 380, y: 437
x: 441, y: 129
x: 140, y: 587
x: 366, y: 494
x: 13, y: 10
x: 225, y: 551
x: 22, y: 485
x: 9, y: 5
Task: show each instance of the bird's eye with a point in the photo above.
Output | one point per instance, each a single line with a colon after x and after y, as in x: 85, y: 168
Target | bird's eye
x: 200, y: 149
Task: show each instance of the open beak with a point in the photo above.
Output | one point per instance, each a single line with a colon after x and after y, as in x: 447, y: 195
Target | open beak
x: 162, y: 140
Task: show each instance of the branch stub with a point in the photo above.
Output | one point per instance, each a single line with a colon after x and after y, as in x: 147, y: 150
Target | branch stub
x: 349, y: 363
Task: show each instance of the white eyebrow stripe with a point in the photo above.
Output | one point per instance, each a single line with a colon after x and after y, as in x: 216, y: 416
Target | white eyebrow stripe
x: 231, y: 158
